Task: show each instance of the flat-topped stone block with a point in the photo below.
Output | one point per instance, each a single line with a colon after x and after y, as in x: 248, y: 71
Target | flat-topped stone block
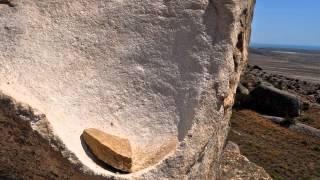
x: 112, y: 150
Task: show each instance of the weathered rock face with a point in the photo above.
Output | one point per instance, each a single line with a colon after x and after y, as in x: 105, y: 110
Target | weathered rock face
x: 149, y: 71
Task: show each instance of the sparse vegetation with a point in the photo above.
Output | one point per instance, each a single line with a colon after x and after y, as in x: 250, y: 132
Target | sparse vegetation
x: 311, y: 116
x: 288, y: 121
x: 305, y: 119
x: 305, y: 106
x: 283, y: 153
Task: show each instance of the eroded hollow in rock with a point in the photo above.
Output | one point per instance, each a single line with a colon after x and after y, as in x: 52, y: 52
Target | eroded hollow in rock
x: 128, y: 72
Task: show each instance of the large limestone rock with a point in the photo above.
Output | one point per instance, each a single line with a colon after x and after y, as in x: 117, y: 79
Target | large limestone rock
x: 162, y: 73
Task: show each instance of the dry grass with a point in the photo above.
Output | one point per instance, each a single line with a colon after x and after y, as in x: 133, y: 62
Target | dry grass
x: 283, y: 153
x: 312, y: 116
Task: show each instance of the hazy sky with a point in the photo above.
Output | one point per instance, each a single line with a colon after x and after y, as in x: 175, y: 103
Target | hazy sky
x: 287, y: 22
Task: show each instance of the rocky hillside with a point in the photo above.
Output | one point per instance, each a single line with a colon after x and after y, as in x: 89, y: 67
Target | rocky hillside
x: 276, y: 122
x: 306, y: 90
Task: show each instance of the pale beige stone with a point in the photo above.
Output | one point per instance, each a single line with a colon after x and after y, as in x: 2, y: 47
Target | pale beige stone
x: 117, y: 152
x: 147, y: 70
x: 113, y: 150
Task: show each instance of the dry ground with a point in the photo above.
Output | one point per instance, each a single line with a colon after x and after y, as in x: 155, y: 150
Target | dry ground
x: 311, y: 117
x: 283, y: 153
x: 24, y: 155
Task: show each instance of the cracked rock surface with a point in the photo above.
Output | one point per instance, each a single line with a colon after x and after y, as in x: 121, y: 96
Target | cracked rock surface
x: 159, y: 73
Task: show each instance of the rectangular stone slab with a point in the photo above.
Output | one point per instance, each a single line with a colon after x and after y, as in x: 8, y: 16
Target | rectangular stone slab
x: 113, y: 150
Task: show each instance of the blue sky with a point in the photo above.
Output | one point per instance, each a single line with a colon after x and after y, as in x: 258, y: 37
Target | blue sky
x: 287, y: 22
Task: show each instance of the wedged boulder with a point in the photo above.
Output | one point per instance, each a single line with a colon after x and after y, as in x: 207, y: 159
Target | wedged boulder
x: 112, y: 150
x: 269, y: 100
x: 242, y: 90
x: 242, y: 95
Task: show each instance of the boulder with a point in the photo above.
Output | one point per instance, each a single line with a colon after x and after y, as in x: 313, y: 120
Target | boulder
x: 257, y: 67
x: 113, y: 150
x: 269, y: 100
x: 235, y: 166
x: 275, y: 119
x: 162, y: 73
x: 232, y: 147
x: 242, y: 96
x: 242, y: 90
x: 306, y: 129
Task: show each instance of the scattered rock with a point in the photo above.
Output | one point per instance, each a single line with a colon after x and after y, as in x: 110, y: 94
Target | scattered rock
x: 278, y: 120
x: 235, y: 166
x: 112, y: 150
x: 231, y: 146
x: 308, y: 91
x: 257, y: 67
x: 305, y: 129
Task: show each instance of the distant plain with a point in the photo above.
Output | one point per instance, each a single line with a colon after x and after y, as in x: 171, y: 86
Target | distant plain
x: 295, y: 63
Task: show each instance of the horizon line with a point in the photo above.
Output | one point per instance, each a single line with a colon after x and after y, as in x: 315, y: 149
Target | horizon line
x: 276, y: 44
